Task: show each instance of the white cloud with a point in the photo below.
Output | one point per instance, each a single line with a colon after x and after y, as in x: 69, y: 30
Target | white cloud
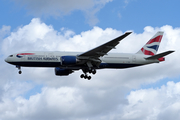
x: 59, y: 103
x: 126, y: 2
x: 119, y: 15
x: 101, y: 98
x: 5, y: 30
x: 64, y: 7
x: 154, y: 104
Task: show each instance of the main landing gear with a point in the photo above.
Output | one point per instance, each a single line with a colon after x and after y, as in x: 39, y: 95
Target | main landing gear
x: 85, y: 76
x: 19, y: 68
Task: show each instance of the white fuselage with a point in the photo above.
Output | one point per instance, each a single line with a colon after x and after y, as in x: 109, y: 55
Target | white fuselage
x: 53, y: 59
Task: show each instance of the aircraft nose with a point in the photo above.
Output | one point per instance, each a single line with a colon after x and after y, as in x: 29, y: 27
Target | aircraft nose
x: 6, y: 60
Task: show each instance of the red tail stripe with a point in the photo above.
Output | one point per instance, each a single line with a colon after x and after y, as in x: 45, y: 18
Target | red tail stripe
x: 147, y: 52
x: 156, y: 39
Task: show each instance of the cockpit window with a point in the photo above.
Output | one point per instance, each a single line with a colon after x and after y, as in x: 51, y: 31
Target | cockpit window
x: 11, y: 56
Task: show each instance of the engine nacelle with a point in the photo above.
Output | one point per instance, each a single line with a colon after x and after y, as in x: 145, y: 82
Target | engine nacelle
x: 62, y: 72
x: 68, y: 60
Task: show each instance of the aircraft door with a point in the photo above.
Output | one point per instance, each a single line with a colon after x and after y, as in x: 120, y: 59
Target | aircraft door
x: 133, y: 58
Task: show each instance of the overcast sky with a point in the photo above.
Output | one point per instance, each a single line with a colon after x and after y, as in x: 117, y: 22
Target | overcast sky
x: 150, y: 92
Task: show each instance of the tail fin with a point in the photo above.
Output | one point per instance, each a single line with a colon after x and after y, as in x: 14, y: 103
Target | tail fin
x: 151, y: 47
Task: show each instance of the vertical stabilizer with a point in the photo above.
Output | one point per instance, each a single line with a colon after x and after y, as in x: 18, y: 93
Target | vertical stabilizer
x: 151, y: 47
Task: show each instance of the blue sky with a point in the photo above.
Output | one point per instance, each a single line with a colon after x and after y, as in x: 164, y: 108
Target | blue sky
x: 144, y: 92
x: 118, y: 14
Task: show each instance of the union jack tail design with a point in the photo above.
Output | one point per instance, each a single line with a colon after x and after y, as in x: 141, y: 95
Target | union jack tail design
x: 151, y: 47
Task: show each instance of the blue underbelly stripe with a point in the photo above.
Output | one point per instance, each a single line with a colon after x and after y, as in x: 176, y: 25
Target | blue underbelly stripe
x: 57, y: 64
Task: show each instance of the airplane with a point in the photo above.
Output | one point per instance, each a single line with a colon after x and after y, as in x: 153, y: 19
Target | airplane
x: 66, y: 63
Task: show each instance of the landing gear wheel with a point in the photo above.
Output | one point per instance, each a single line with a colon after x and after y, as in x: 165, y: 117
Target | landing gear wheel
x: 85, y: 76
x: 85, y: 71
x: 20, y: 72
x: 82, y: 76
x: 93, y: 71
x: 89, y: 78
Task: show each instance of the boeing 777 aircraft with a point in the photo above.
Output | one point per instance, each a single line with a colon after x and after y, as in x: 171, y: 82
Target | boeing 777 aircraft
x: 66, y: 63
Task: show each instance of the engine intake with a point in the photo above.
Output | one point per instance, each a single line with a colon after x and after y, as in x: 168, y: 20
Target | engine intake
x: 62, y: 72
x: 68, y: 60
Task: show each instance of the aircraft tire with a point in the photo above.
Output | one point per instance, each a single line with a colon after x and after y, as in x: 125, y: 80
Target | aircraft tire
x: 85, y: 76
x: 94, y: 71
x: 82, y: 76
x: 20, y: 72
x: 89, y: 78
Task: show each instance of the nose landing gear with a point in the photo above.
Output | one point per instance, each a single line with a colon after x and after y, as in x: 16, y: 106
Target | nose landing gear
x: 19, y: 68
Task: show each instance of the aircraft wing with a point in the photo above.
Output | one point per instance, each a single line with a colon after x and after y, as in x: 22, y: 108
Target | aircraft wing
x: 103, y: 49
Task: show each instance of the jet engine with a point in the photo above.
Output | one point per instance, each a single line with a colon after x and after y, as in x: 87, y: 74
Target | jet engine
x: 68, y: 60
x: 62, y: 72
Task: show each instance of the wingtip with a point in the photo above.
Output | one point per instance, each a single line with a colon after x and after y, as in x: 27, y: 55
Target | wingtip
x: 129, y: 32
x: 172, y: 51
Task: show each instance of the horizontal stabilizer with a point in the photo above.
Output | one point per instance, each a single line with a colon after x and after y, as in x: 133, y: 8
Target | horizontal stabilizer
x: 159, y: 55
